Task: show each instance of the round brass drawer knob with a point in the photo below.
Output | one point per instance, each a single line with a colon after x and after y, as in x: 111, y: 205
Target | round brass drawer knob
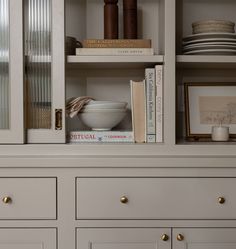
x: 180, y: 237
x: 221, y: 200
x: 164, y: 237
x: 124, y: 199
x: 7, y: 200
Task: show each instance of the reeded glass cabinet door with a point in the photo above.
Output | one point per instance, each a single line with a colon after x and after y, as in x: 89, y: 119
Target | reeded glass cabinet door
x: 44, y: 70
x: 11, y: 71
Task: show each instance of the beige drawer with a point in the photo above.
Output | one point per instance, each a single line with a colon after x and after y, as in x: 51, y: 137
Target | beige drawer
x: 28, y: 198
x: 156, y: 198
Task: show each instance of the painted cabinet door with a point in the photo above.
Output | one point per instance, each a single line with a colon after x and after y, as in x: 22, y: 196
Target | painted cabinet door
x: 44, y: 70
x: 204, y: 238
x: 27, y: 238
x: 123, y: 238
x: 11, y: 72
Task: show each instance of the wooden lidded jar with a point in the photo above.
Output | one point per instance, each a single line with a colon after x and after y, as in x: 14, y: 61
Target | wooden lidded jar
x: 111, y: 19
x: 130, y: 19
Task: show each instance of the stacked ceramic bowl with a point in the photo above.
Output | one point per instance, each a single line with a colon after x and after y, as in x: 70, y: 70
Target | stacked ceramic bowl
x: 103, y: 115
x: 211, y: 37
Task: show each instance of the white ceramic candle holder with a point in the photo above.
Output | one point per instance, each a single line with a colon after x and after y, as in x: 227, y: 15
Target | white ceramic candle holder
x: 220, y: 133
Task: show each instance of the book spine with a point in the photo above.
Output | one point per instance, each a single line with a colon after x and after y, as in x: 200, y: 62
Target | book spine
x: 159, y: 103
x: 104, y: 136
x: 138, y: 107
x: 114, y: 51
x: 121, y: 43
x: 151, y: 104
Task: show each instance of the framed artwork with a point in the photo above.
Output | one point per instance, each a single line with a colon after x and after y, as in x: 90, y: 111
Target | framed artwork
x: 207, y: 105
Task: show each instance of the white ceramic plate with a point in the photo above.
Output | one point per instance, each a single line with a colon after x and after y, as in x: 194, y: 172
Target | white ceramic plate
x: 210, y: 44
x: 194, y: 48
x: 212, y: 52
x: 210, y: 40
x: 209, y: 36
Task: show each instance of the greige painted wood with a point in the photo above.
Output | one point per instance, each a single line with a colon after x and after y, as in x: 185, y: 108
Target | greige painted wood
x: 15, y: 134
x: 31, y: 198
x: 27, y: 238
x: 205, y: 238
x: 123, y: 238
x: 156, y: 198
x: 58, y: 79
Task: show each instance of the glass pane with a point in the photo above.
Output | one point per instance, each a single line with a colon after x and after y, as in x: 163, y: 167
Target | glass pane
x: 38, y: 63
x: 4, y: 64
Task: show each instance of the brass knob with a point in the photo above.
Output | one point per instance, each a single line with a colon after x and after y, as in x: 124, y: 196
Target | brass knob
x: 124, y: 199
x: 164, y: 237
x: 221, y: 200
x: 180, y: 237
x: 7, y: 200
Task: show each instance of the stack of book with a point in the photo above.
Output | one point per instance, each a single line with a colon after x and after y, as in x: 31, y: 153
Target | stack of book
x: 147, y: 106
x: 113, y: 47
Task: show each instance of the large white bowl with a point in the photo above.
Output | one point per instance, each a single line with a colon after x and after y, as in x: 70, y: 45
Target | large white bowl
x: 101, y: 121
x: 103, y: 110
x: 93, y: 104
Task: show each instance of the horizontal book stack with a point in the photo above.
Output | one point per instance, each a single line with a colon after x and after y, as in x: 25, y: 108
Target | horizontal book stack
x: 100, y: 137
x: 147, y: 106
x: 126, y: 47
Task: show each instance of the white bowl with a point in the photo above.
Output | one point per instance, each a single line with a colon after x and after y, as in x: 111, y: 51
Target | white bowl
x: 105, y: 104
x: 101, y: 121
x: 103, y: 110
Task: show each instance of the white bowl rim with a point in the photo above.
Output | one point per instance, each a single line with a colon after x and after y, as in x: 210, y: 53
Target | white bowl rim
x: 103, y: 110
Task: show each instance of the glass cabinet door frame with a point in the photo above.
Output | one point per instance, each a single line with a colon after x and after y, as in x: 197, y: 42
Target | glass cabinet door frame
x: 15, y: 133
x: 57, y: 132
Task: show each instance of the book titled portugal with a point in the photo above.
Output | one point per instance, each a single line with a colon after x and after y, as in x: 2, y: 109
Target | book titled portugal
x: 117, y: 43
x: 100, y: 137
x: 114, y: 51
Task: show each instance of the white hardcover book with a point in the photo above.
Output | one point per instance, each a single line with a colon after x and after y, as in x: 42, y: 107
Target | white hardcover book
x: 100, y: 137
x: 159, y: 103
x: 114, y: 51
x: 151, y: 104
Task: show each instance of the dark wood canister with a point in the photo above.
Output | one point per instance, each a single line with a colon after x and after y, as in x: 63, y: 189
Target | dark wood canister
x: 130, y: 19
x: 111, y: 19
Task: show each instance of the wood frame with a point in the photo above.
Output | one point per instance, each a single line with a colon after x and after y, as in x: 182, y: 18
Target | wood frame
x: 196, y: 136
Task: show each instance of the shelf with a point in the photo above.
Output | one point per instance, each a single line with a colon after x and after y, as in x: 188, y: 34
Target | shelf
x: 206, y: 61
x: 94, y: 62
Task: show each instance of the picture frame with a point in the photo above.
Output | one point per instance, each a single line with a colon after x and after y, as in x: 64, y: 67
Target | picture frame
x: 207, y: 105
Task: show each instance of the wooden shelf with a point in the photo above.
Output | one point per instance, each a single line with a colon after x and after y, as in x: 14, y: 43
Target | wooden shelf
x: 206, y: 61
x: 113, y: 61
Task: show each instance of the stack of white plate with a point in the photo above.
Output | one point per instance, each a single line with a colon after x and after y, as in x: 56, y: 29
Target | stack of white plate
x: 103, y: 115
x: 211, y: 38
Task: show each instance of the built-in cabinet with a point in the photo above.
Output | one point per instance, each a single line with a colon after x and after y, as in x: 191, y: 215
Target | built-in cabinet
x: 174, y: 195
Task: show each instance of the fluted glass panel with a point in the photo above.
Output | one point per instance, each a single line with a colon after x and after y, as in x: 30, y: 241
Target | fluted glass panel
x: 38, y: 63
x: 4, y: 64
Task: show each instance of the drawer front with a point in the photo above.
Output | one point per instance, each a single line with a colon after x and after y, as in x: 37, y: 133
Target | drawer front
x: 123, y: 238
x: 28, y: 198
x: 156, y: 198
x: 27, y: 238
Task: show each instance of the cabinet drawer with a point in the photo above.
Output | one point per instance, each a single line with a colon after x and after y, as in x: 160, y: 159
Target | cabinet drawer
x: 123, y: 238
x: 156, y: 198
x: 28, y: 198
x: 27, y: 238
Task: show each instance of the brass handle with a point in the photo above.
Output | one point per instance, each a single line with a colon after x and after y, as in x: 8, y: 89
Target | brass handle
x: 164, y: 237
x: 124, y: 199
x: 7, y: 200
x: 221, y: 200
x: 58, y: 119
x: 180, y: 237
